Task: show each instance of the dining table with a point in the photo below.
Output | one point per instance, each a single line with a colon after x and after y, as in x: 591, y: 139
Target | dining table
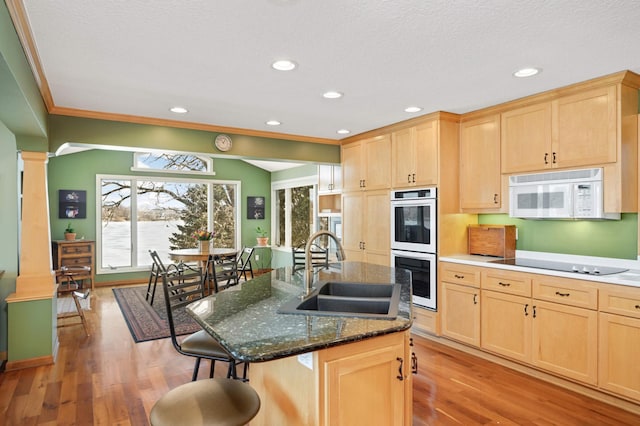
x: 196, y: 255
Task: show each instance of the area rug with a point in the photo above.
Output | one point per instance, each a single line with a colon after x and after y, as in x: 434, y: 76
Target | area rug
x: 148, y: 322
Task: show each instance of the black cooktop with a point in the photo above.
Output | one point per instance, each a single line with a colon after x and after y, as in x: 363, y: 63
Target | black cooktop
x: 561, y: 266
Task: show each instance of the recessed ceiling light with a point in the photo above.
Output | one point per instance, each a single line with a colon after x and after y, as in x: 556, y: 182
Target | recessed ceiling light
x: 178, y: 110
x: 343, y: 132
x: 273, y: 123
x: 412, y: 109
x: 332, y: 95
x: 284, y: 65
x: 527, y: 72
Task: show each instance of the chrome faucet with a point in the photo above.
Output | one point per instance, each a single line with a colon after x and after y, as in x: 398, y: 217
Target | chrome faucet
x: 307, y: 255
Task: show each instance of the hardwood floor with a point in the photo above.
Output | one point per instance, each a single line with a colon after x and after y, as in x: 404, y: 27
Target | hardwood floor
x: 108, y: 379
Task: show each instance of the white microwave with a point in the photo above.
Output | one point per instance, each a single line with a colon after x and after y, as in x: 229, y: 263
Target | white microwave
x: 569, y: 194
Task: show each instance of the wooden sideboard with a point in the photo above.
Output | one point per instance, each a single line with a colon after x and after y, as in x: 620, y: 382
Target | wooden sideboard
x: 75, y: 253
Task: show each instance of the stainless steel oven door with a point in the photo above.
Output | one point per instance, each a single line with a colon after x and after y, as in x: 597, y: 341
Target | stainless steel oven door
x: 413, y: 225
x: 423, y: 273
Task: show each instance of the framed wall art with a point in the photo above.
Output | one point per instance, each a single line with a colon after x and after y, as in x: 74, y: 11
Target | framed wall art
x: 72, y: 204
x: 255, y: 207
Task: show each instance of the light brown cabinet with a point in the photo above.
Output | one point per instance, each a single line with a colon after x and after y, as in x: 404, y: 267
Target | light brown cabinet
x: 619, y: 341
x: 525, y: 142
x: 79, y: 253
x: 460, y: 303
x: 414, y: 156
x: 365, y: 382
x: 480, y: 178
x: 365, y: 226
x: 366, y: 164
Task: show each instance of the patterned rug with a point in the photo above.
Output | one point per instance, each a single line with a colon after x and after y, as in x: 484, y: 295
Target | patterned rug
x: 150, y: 322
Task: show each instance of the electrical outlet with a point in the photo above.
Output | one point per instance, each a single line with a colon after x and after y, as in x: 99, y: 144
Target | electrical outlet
x: 258, y: 256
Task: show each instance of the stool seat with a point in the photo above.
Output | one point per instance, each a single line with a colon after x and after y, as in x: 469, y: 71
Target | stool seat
x: 221, y: 402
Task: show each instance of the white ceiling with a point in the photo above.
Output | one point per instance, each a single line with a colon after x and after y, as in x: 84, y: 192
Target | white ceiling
x: 140, y: 57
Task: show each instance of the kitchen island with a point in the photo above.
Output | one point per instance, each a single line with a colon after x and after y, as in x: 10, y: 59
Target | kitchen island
x: 317, y: 370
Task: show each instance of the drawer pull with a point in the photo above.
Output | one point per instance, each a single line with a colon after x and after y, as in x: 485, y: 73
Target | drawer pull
x: 534, y: 311
x: 504, y: 284
x: 562, y: 294
x: 637, y: 306
x: 526, y: 314
x: 475, y: 299
x: 458, y: 276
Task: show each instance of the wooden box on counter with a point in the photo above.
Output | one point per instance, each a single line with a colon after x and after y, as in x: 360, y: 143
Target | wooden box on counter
x: 492, y: 240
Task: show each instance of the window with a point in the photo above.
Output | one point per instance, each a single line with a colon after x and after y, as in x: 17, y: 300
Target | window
x: 294, y: 211
x: 172, y: 163
x: 138, y: 214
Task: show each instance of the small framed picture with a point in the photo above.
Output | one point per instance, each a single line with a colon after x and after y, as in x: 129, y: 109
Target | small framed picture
x: 255, y: 207
x: 72, y: 204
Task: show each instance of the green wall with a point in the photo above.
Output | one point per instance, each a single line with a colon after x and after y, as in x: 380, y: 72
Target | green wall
x: 607, y: 238
x: 8, y: 224
x: 78, y: 171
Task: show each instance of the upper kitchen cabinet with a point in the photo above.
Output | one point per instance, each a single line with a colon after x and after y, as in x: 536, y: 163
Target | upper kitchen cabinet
x: 366, y: 164
x: 414, y: 156
x: 480, y: 178
x: 329, y: 179
x: 589, y: 124
x: 526, y: 139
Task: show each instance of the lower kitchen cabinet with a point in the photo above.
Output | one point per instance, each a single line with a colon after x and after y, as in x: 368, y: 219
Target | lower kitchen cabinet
x: 565, y: 340
x: 619, y: 341
x: 506, y: 325
x: 461, y: 313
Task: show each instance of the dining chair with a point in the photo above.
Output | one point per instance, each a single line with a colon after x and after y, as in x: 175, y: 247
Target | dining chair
x: 221, y: 270
x: 319, y: 256
x: 222, y: 402
x: 179, y: 291
x: 67, y: 284
x: 158, y: 268
x: 244, y: 262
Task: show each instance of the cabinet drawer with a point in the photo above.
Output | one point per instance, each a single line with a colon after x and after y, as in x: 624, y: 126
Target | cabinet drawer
x: 73, y: 249
x: 506, y: 282
x: 460, y: 274
x: 621, y: 301
x: 566, y: 291
x: 76, y: 261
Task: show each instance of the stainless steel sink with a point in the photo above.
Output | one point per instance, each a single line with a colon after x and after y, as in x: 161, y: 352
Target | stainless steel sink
x: 365, y: 300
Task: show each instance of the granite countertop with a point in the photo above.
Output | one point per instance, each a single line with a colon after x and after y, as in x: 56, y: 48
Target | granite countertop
x: 244, y: 318
x: 629, y: 278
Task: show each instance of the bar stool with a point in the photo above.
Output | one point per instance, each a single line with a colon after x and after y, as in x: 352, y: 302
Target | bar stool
x: 223, y: 402
x: 67, y: 284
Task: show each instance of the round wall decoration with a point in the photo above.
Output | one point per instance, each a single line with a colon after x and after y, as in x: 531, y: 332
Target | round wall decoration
x: 223, y: 142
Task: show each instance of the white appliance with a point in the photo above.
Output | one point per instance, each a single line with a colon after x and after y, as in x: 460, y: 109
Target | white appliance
x: 413, y: 241
x: 568, y: 194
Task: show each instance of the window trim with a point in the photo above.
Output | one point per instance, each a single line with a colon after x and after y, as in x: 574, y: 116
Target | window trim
x: 133, y: 178
x: 288, y: 184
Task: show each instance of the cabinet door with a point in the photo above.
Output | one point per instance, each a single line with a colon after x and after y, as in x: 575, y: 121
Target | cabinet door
x: 525, y: 142
x: 403, y: 158
x: 619, y: 369
x: 585, y: 128
x: 461, y: 313
x: 377, y: 155
x: 337, y: 178
x: 376, y: 221
x: 352, y: 223
x: 426, y: 154
x: 565, y: 340
x: 352, y: 169
x: 480, y: 178
x: 506, y: 325
x: 325, y: 178
x: 351, y: 379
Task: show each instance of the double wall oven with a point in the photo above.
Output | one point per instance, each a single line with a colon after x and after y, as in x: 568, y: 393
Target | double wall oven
x: 413, y: 240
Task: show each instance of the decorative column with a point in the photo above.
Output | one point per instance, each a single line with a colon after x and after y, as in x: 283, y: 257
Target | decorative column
x: 32, y: 336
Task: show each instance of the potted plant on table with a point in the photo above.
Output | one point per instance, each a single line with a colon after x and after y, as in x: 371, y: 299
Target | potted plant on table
x: 261, y: 236
x: 69, y: 233
x: 204, y: 240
